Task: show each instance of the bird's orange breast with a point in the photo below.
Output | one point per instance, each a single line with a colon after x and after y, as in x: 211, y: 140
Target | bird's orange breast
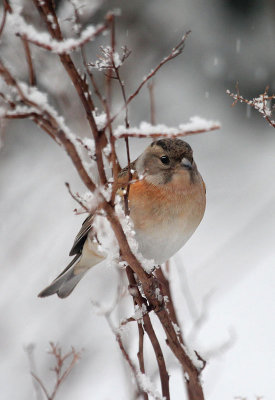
x: 158, y: 205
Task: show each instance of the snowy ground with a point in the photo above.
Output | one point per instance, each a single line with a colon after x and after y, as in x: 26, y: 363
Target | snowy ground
x: 225, y: 272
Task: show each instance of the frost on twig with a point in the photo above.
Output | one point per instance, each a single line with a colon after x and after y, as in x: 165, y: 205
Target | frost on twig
x: 109, y: 59
x: 262, y: 103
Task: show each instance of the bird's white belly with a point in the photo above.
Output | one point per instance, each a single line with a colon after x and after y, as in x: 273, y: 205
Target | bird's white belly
x: 163, y: 241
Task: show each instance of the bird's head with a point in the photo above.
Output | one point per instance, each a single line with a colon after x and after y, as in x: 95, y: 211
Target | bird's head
x: 167, y: 160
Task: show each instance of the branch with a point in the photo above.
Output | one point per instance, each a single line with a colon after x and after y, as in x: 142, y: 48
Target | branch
x: 169, y: 304
x: 65, y: 46
x: 146, y: 130
x: 140, y: 301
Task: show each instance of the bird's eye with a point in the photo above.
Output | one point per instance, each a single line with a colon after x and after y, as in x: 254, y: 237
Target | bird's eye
x: 164, y: 159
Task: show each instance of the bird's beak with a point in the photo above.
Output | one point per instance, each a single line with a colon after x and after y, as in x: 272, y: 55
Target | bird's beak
x: 186, y: 164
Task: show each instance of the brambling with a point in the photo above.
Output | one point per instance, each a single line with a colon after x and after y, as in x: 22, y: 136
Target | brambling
x: 166, y: 206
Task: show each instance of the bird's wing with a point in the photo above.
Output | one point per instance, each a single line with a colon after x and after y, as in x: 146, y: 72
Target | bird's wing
x: 123, y: 179
x: 82, y: 235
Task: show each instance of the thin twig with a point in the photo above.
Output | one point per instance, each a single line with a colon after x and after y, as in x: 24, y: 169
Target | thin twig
x: 127, y: 124
x: 30, y: 354
x: 7, y: 9
x: 124, y: 351
x: 151, y: 87
x: 114, y: 160
x: 258, y: 103
x: 174, y: 53
x: 41, y: 384
x: 59, y: 366
x: 58, y: 369
x: 92, y: 79
x: 32, y: 78
x: 126, y: 195
x: 76, y: 198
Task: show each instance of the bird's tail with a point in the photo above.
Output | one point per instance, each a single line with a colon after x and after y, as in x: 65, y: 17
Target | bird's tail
x: 64, y: 284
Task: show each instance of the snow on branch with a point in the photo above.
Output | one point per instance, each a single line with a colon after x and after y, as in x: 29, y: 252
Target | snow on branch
x: 262, y: 103
x: 145, y: 129
x: 31, y: 103
x: 148, y: 387
x: 44, y: 40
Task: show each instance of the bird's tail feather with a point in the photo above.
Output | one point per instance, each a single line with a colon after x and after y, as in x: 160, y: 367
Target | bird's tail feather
x: 65, y: 282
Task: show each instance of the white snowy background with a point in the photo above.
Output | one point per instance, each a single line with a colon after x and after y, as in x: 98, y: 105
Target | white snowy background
x: 223, y: 278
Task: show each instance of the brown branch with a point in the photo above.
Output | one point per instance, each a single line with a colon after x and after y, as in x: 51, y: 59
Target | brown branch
x: 140, y: 301
x: 165, y: 291
x: 19, y: 115
x: 140, y: 353
x: 26, y: 46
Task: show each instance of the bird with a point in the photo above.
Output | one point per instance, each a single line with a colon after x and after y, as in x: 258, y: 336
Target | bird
x: 166, y: 201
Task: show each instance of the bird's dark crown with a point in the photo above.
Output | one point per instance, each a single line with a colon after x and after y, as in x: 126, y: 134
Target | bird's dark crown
x: 175, y: 148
